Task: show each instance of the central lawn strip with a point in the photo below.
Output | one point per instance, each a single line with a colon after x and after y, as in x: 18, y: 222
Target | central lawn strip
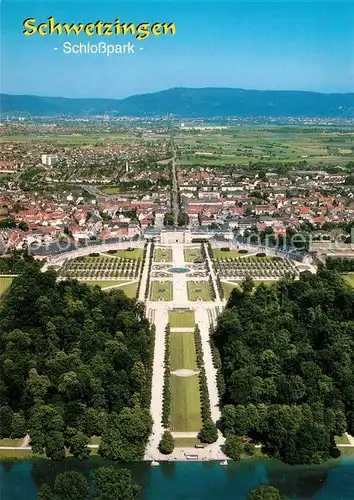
x: 161, y: 290
x: 181, y: 318
x: 190, y: 254
x: 349, y: 278
x: 5, y: 283
x: 203, y: 286
x: 182, y: 351
x: 185, y: 404
x: 104, y: 283
x: 163, y: 255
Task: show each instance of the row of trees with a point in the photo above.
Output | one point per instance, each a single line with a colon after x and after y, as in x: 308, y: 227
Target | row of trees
x: 341, y: 265
x: 287, y: 357
x: 75, y: 362
x: 166, y: 395
x: 151, y: 258
x: 208, y: 433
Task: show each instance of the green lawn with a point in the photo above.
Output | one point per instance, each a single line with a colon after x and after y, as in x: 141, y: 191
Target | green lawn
x: 103, y: 284
x: 198, y: 290
x: 5, y: 283
x: 17, y: 454
x: 129, y: 290
x: 11, y: 442
x: 95, y: 440
x: 186, y: 442
x: 190, y: 254
x: 136, y: 253
x: 342, y: 439
x: 110, y: 189
x: 161, y: 290
x: 183, y: 351
x: 349, y: 278
x: 163, y: 255
x: 219, y: 254
x: 181, y: 319
x: 185, y: 404
x: 347, y: 450
x: 228, y: 287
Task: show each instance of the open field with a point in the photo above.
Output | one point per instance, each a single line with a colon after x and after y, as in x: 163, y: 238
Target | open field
x: 11, y: 442
x: 220, y: 254
x: 181, y: 319
x: 135, y: 253
x: 349, y: 278
x: 17, y: 455
x: 129, y: 289
x: 198, y: 290
x: 347, y: 450
x: 228, y: 287
x: 267, y: 143
x: 186, y: 442
x: 103, y: 284
x: 190, y: 254
x: 163, y: 255
x: 182, y: 351
x: 110, y: 190
x: 5, y: 283
x: 161, y: 290
x: 185, y: 404
x: 341, y: 439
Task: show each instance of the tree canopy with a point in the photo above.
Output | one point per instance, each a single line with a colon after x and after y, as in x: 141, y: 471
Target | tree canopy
x: 287, y: 358
x: 73, y: 359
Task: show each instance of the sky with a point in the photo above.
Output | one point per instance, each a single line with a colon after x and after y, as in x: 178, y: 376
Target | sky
x: 252, y: 45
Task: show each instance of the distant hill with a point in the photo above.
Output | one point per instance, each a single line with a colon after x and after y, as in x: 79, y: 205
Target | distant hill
x: 187, y: 102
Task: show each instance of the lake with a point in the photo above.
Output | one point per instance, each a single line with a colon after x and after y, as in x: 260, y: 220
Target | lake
x: 334, y: 480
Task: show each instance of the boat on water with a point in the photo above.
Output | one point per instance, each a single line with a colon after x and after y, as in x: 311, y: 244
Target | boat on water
x: 154, y: 463
x: 223, y: 462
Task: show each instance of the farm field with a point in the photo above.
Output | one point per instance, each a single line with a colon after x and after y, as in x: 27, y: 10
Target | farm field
x: 199, y: 290
x: 181, y: 319
x: 182, y: 351
x: 349, y: 278
x: 185, y: 404
x: 190, y: 254
x: 5, y: 283
x: 161, y: 290
x: 163, y: 255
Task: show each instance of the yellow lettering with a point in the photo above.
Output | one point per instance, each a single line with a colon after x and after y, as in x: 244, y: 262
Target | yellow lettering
x: 99, y: 26
x: 30, y: 26
x: 41, y: 29
x: 169, y: 27
x: 155, y: 29
x: 143, y: 31
x: 76, y: 29
x: 89, y: 29
x: 128, y: 28
x: 54, y: 27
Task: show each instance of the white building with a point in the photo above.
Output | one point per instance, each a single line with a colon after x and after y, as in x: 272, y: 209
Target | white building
x: 49, y: 160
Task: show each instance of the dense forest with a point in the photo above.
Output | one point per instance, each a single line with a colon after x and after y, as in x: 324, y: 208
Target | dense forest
x: 287, y: 360
x: 74, y: 362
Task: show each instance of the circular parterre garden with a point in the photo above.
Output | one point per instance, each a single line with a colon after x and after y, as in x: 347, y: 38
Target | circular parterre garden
x: 101, y: 267
x: 254, y: 267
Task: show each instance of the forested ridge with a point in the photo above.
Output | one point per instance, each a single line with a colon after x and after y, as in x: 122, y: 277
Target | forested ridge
x: 287, y: 359
x: 74, y: 362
